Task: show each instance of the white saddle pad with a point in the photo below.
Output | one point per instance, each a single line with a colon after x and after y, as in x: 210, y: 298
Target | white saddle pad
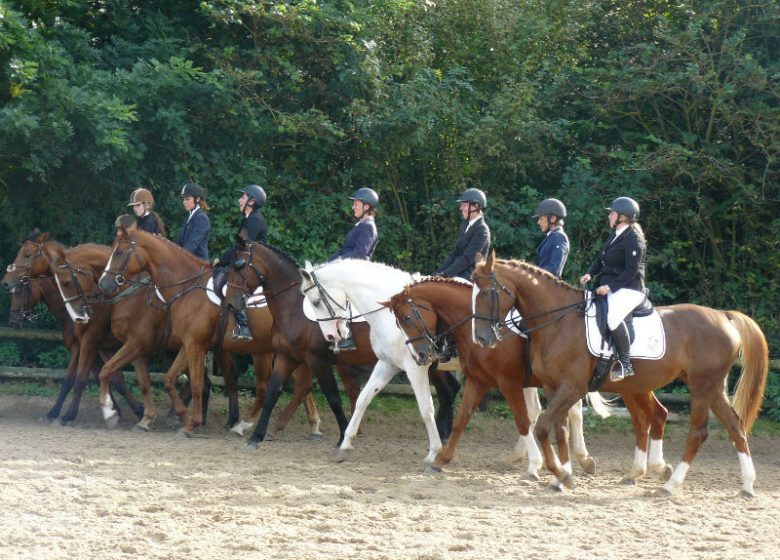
x: 308, y: 310
x: 256, y: 300
x: 649, y: 343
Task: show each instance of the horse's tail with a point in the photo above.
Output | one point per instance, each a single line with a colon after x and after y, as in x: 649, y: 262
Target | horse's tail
x: 749, y: 392
x: 601, y: 406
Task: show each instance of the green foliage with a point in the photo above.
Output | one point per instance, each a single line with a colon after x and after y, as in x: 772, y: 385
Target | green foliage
x: 57, y: 358
x: 9, y: 354
x: 675, y: 104
x: 772, y: 396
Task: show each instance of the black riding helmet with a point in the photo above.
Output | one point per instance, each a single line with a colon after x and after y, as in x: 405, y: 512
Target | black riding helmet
x: 626, y: 206
x: 473, y: 196
x: 367, y: 196
x: 551, y: 206
x: 193, y: 190
x: 256, y: 192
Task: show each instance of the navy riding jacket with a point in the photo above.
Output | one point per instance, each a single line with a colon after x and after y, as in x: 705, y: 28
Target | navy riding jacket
x: 360, y: 243
x: 252, y: 228
x: 552, y: 252
x: 148, y: 224
x: 194, y: 235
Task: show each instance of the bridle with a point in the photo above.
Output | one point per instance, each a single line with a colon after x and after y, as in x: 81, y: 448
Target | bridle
x: 240, y: 264
x: 81, y: 296
x: 27, y: 266
x: 500, y: 326
x: 330, y: 303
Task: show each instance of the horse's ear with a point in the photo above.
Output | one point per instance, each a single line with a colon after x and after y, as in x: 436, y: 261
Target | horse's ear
x: 306, y: 275
x: 308, y: 266
x: 387, y: 303
x: 491, y: 260
x: 43, y: 237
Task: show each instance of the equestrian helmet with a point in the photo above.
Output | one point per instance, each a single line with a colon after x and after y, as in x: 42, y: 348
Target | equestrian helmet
x: 626, y: 206
x: 256, y: 192
x: 551, y: 206
x: 192, y: 189
x: 367, y: 196
x: 140, y: 196
x: 473, y: 196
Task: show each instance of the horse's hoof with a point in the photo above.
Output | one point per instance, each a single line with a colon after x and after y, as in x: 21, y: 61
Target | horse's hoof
x: 430, y: 469
x: 628, y: 481
x: 747, y: 494
x: 568, y: 481
x: 532, y: 476
x: 316, y: 437
x: 112, y: 422
x: 185, y: 433
x: 589, y: 465
x: 251, y: 445
x: 662, y: 492
x: 666, y: 473
x: 343, y: 455
x: 554, y: 487
x: 141, y: 428
x: 62, y: 422
x: 47, y: 419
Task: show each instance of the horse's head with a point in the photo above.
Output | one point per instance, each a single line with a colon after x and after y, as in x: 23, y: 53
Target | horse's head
x: 121, y: 264
x: 25, y: 297
x: 74, y: 283
x: 248, y: 266
x: 491, y: 301
x: 330, y: 305
x: 29, y: 262
x: 417, y: 319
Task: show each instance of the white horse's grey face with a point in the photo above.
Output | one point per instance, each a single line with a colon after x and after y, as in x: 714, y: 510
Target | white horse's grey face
x: 330, y: 306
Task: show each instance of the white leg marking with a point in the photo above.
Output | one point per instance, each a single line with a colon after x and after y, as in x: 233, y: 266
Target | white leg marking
x: 239, y: 428
x: 748, y: 472
x: 678, y: 477
x: 656, y: 460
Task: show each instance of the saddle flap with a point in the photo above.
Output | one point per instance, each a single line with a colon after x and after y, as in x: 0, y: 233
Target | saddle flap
x: 649, y: 342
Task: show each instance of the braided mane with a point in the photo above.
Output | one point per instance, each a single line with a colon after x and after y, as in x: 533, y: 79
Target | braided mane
x: 435, y: 280
x: 536, y: 271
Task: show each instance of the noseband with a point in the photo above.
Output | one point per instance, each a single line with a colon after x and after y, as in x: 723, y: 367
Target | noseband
x: 496, y: 322
x: 328, y: 300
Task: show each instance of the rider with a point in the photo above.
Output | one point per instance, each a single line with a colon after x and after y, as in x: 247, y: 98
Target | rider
x: 194, y: 234
x: 552, y: 252
x: 149, y: 221
x: 252, y: 228
x: 620, y: 270
x: 361, y: 241
x: 473, y: 239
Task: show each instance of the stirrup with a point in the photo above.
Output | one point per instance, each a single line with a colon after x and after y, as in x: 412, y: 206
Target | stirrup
x: 242, y: 334
x: 620, y: 371
x: 346, y: 344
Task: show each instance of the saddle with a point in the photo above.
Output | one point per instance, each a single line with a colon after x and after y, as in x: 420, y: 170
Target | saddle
x: 216, y: 290
x: 648, y: 340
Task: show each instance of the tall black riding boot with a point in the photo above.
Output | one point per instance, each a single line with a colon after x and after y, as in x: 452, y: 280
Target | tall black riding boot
x: 241, y: 332
x: 449, y: 351
x: 623, y: 367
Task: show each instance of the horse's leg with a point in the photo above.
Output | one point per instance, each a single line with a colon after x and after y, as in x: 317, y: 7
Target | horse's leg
x: 562, y: 437
x: 521, y: 402
x: 381, y: 375
x: 640, y: 420
x: 657, y: 415
x: 418, y: 377
x: 145, y: 385
x: 87, y: 356
x: 301, y: 378
x: 65, y: 386
x: 723, y: 410
x: 196, y: 362
x: 179, y: 364
x: 697, y: 435
x: 560, y: 401
x: 262, y: 364
x: 472, y: 395
x: 323, y: 369
x: 447, y: 388
x: 577, y: 438
x: 126, y: 354
x: 227, y: 369
x: 283, y: 368
x: 117, y: 381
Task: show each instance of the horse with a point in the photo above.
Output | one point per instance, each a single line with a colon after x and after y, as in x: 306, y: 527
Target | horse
x: 299, y: 340
x: 194, y: 322
x: 336, y: 287
x: 26, y: 295
x: 30, y: 268
x: 702, y: 344
x: 429, y: 309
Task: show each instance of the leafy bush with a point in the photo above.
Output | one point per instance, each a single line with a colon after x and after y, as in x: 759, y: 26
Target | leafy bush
x: 772, y: 396
x: 9, y: 354
x: 57, y: 358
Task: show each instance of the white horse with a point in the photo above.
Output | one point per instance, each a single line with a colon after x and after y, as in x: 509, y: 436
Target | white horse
x: 348, y: 288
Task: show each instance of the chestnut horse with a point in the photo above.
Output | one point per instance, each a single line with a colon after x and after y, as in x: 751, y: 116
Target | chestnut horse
x: 299, y: 340
x: 26, y: 295
x: 181, y: 279
x: 30, y: 267
x: 427, y: 311
x: 702, y: 344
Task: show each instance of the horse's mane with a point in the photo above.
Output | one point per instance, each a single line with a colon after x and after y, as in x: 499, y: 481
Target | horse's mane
x: 536, y: 271
x: 175, y: 247
x: 364, y: 262
x: 279, y: 252
x: 436, y: 280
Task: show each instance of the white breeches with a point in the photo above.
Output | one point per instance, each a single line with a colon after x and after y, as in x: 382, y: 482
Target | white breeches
x: 621, y: 303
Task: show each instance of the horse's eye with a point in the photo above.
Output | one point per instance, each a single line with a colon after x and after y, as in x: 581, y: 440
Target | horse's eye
x: 407, y: 318
x: 11, y: 267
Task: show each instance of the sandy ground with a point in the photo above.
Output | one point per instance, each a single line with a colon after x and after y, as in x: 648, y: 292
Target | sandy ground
x: 84, y: 492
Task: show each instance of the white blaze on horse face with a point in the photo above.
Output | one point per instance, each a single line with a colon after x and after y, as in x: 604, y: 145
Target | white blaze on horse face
x: 474, y: 294
x: 108, y: 266
x: 75, y: 317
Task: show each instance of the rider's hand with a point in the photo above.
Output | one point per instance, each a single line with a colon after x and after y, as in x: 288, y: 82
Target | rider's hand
x: 585, y: 279
x: 215, y: 262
